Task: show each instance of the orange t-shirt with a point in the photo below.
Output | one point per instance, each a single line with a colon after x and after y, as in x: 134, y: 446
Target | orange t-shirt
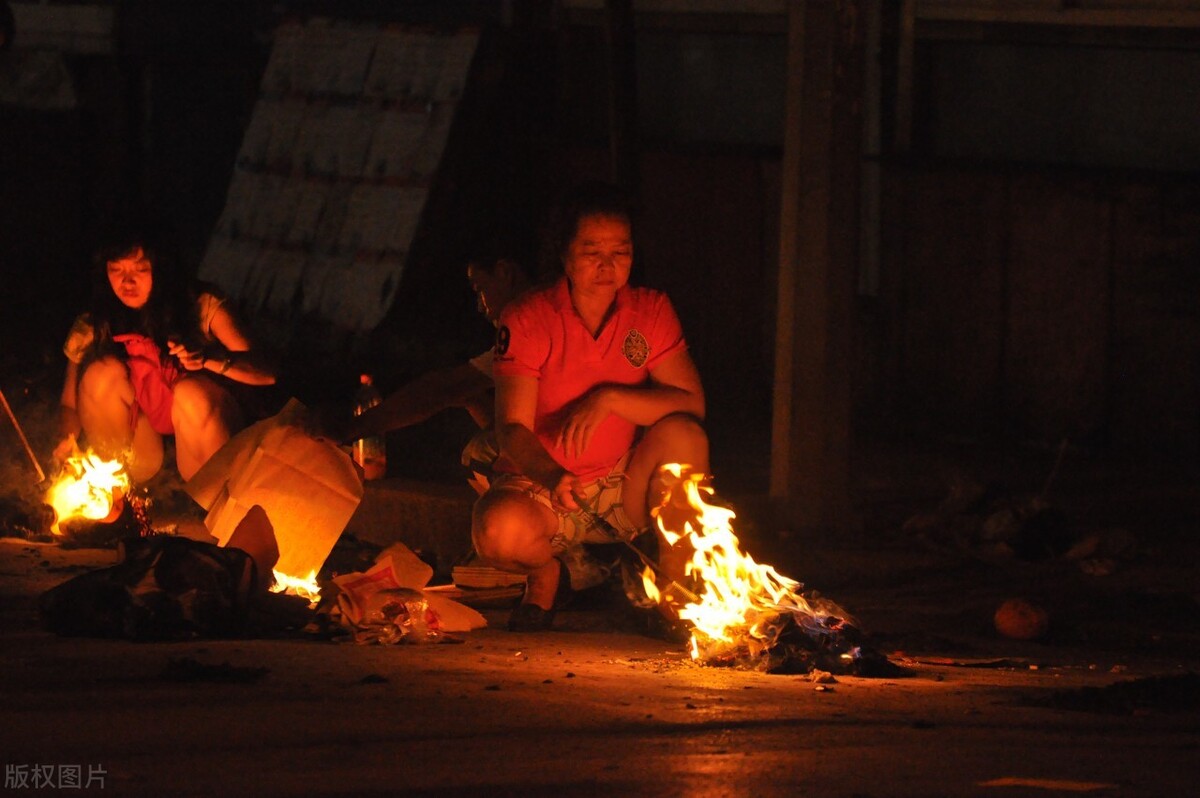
x: 542, y: 336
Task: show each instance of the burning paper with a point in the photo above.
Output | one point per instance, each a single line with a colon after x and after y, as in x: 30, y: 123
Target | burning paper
x: 307, y: 489
x: 740, y: 611
x: 88, y: 487
x: 255, y: 535
x: 306, y: 588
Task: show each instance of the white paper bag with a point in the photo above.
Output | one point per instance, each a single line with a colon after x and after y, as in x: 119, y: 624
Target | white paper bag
x: 308, y: 488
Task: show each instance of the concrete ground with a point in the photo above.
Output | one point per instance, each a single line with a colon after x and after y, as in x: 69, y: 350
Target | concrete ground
x: 1107, y: 703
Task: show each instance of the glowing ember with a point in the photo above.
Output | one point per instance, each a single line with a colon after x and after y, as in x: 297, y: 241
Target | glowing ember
x: 88, y: 487
x: 306, y: 588
x: 741, y: 607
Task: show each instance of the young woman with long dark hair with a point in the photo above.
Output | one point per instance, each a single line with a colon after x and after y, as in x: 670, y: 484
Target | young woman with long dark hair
x: 154, y: 356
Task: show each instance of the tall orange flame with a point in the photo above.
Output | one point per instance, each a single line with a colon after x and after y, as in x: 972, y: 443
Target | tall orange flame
x: 741, y: 605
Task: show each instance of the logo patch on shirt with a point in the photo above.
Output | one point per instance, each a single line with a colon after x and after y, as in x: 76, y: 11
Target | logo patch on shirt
x: 636, y: 349
x: 503, y: 336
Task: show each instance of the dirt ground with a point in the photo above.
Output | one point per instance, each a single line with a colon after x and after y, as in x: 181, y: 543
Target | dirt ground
x: 1105, y: 703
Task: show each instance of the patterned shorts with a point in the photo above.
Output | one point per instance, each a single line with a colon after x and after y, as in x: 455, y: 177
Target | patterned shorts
x: 606, y: 522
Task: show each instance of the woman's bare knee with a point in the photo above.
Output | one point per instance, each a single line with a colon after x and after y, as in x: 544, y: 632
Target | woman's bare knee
x: 680, y: 427
x: 104, y: 381
x: 200, y: 407
x: 104, y: 401
x: 205, y: 416
x: 194, y: 400
x: 510, y: 530
x: 678, y: 438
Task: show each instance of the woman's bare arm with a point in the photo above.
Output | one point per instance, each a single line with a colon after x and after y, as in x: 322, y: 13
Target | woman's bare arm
x: 457, y: 386
x: 674, y: 387
x: 516, y: 408
x: 237, y: 360
x: 68, y: 417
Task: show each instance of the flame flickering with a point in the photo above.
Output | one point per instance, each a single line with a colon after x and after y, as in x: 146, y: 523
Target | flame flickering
x: 741, y: 609
x: 306, y: 587
x: 88, y: 487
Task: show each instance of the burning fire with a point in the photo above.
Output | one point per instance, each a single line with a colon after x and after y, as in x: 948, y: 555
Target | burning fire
x: 740, y: 607
x: 88, y: 487
x: 306, y: 588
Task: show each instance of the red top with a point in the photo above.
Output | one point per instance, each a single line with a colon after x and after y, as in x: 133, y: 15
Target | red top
x: 153, y: 381
x: 542, y: 336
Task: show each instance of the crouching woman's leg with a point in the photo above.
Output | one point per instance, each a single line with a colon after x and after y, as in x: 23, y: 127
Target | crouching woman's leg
x: 678, y: 438
x: 205, y: 415
x: 111, y: 422
x: 512, y: 531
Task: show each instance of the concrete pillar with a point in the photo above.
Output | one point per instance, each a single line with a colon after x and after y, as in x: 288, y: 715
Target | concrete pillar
x: 811, y: 432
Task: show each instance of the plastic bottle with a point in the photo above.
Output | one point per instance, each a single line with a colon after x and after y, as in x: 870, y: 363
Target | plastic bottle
x: 370, y: 452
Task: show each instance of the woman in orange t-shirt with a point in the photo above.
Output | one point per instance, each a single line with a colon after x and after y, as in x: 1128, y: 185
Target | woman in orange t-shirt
x: 595, y: 391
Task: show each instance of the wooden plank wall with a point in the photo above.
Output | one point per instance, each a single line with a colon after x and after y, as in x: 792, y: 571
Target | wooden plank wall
x: 1043, y: 306
x: 1056, y: 325
x: 1155, y: 343
x: 948, y: 284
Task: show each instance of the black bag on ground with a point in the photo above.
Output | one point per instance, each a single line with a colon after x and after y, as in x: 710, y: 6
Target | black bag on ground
x: 164, y: 588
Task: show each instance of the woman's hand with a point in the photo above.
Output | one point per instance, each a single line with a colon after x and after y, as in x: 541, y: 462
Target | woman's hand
x: 562, y: 495
x: 65, y: 448
x: 581, y: 422
x: 189, y: 359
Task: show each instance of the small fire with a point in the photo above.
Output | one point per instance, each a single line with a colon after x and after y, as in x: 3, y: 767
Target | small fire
x: 740, y: 607
x: 88, y: 487
x: 306, y: 588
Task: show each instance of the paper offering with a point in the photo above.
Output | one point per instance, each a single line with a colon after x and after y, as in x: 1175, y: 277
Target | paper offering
x: 308, y: 488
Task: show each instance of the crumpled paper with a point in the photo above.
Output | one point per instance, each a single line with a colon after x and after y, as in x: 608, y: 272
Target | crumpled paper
x: 388, y: 604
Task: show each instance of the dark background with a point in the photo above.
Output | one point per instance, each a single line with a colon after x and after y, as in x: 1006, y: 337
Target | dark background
x: 1028, y: 274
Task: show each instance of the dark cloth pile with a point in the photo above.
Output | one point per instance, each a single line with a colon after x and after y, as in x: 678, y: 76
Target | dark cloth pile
x: 170, y: 588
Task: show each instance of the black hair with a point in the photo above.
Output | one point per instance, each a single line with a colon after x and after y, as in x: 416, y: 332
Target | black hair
x: 169, y: 314
x: 491, y: 247
x: 593, y: 198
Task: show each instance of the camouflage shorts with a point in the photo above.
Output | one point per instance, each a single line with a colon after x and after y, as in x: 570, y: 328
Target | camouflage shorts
x: 604, y: 520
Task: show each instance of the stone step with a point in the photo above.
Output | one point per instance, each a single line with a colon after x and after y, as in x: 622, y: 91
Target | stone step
x: 429, y: 517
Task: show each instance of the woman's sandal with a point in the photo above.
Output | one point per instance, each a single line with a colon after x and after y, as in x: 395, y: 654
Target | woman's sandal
x: 532, y: 618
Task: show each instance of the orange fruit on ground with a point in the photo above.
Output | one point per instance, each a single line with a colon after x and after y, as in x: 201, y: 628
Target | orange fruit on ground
x: 1020, y: 619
